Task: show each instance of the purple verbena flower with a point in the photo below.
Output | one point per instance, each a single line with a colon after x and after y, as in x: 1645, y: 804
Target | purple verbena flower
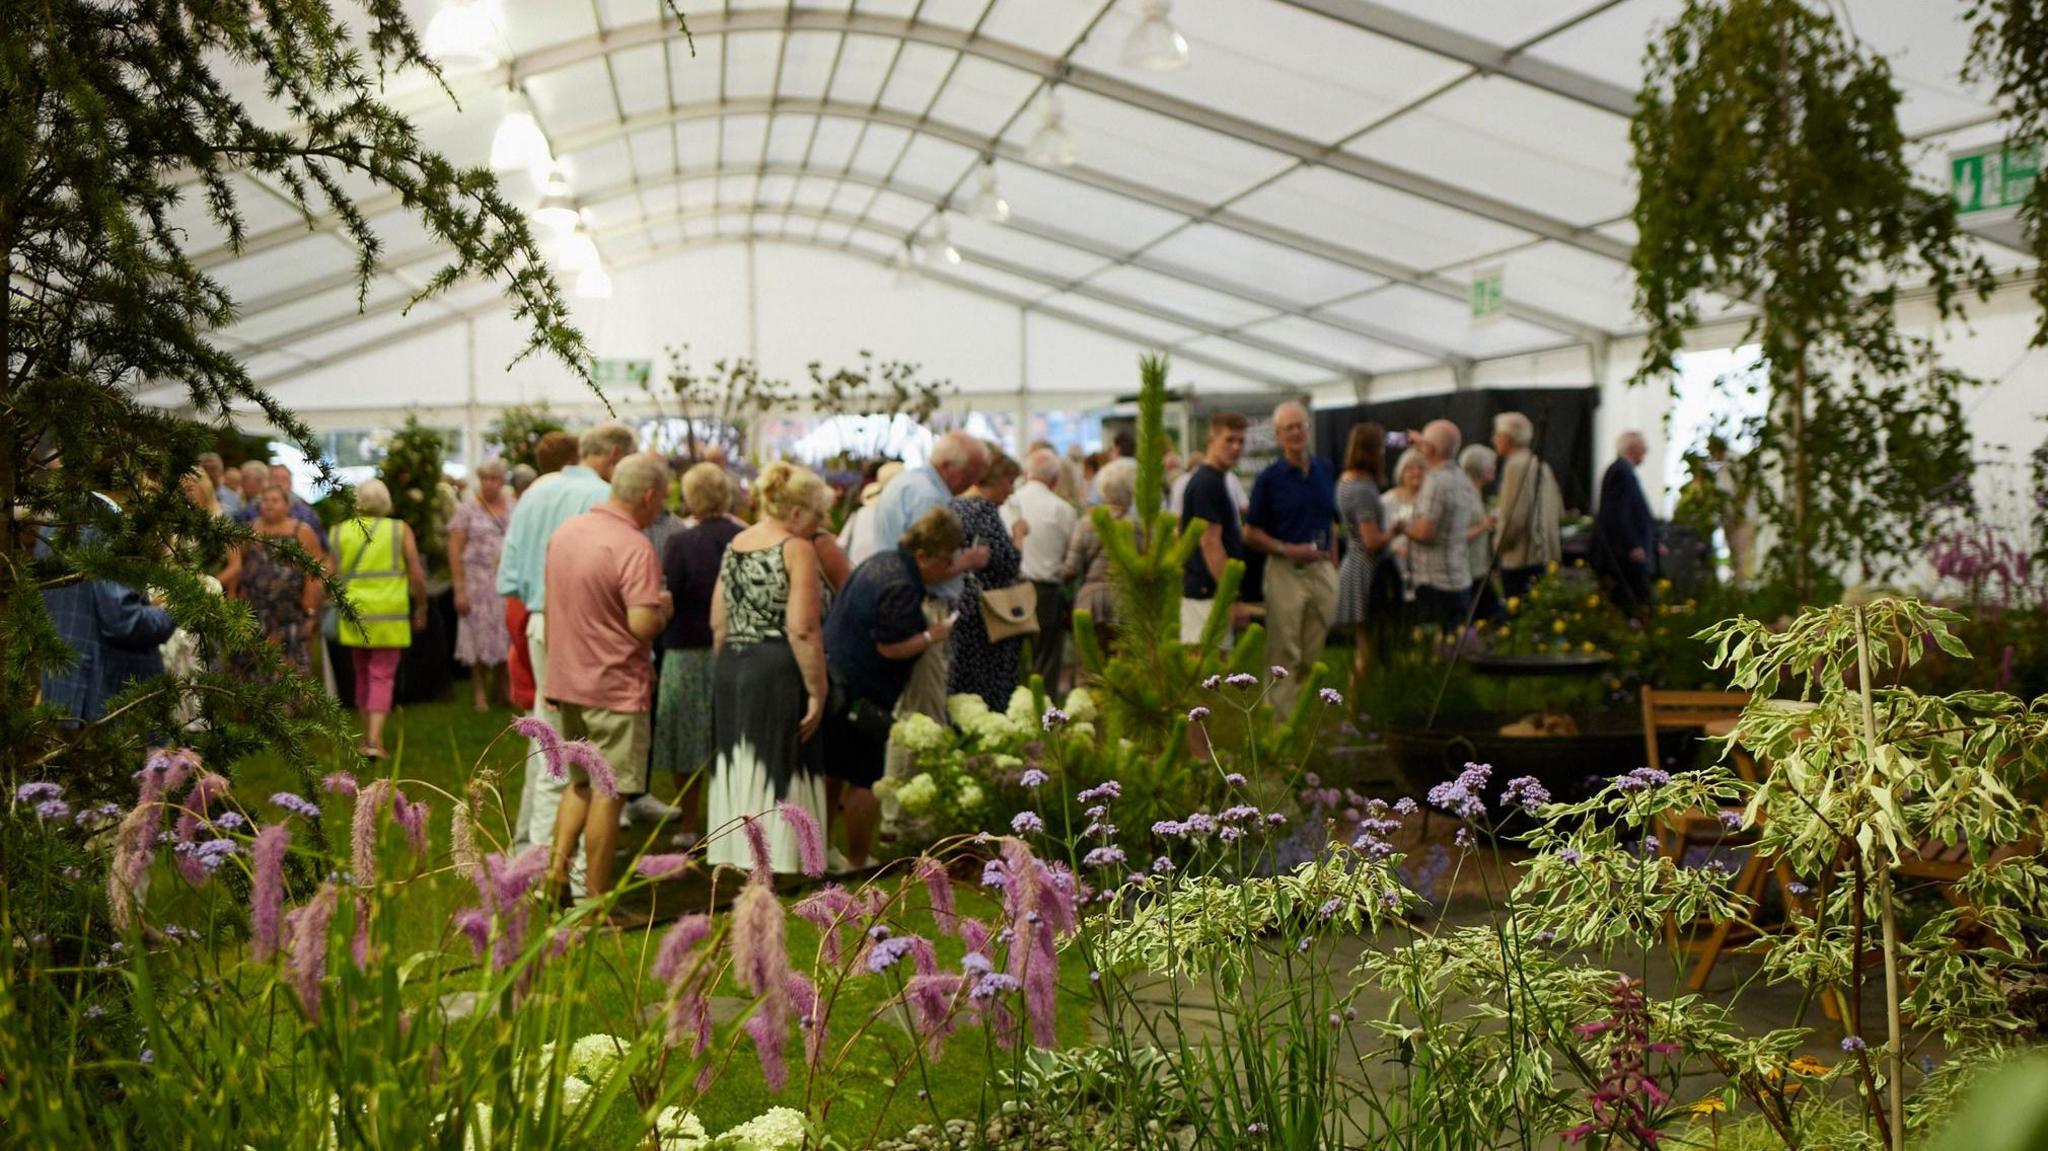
x: 1026, y: 822
x: 1211, y: 682
x: 38, y: 791
x: 1525, y: 791
x: 1463, y: 796
x: 1197, y: 714
x: 1331, y: 696
x: 1033, y: 777
x: 1233, y: 779
x: 295, y: 804
x: 1054, y: 719
x: 1106, y: 790
x: 1101, y: 857
x: 53, y: 811
x: 1642, y: 779
x: 1242, y: 679
x: 1853, y: 1043
x: 1278, y: 671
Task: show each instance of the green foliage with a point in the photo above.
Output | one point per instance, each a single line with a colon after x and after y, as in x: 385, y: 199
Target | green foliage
x: 880, y: 391
x: 517, y: 431
x: 1771, y: 169
x: 411, y: 468
x: 123, y: 133
x: 2009, y: 47
x: 718, y: 406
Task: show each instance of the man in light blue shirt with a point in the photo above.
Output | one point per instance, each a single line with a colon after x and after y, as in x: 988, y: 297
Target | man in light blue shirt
x: 957, y: 461
x: 522, y: 568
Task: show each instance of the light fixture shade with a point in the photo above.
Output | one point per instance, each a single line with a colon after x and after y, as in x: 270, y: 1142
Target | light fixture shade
x: 519, y: 145
x: 557, y: 210
x: 577, y: 252
x: 462, y: 37
x: 1155, y: 44
x: 938, y: 241
x: 1051, y: 147
x: 593, y: 283
x: 988, y: 203
x: 906, y: 266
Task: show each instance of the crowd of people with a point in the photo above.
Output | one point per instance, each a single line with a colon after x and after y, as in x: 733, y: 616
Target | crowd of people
x: 727, y: 647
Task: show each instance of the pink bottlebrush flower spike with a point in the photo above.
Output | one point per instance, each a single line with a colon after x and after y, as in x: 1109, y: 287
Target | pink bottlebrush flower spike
x: 339, y: 783
x: 546, y: 739
x: 306, y: 964
x: 939, y: 886
x: 362, y: 836
x: 413, y: 818
x: 206, y: 791
x: 829, y: 909
x: 662, y: 866
x: 757, y: 845
x: 462, y: 841
x: 603, y: 780
x: 670, y: 959
x: 266, y: 890
x: 810, y: 842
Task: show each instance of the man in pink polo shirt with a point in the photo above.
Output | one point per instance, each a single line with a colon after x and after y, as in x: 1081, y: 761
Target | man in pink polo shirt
x: 606, y: 603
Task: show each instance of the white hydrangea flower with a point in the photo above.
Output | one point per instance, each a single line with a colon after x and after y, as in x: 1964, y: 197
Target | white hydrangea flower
x: 1080, y: 706
x: 920, y: 734
x: 886, y: 786
x: 918, y: 793
x: 776, y: 1129
x: 1082, y: 730
x: 1022, y: 707
x: 678, y: 1130
x: 574, y: 1091
x: 594, y: 1056
x: 970, y: 796
x: 964, y: 709
x: 1006, y: 762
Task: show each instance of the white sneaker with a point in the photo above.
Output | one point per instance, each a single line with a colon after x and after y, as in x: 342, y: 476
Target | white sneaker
x: 647, y: 811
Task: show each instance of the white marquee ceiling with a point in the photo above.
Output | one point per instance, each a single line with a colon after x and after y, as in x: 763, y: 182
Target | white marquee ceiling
x: 1309, y: 199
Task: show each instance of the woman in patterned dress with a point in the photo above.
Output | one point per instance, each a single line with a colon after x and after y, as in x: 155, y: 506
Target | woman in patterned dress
x: 284, y: 601
x: 768, y: 682
x: 475, y: 537
x: 980, y: 666
x: 1365, y: 537
x: 684, y: 743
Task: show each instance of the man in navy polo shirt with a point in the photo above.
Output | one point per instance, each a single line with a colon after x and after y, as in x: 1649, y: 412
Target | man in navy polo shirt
x: 1293, y: 520
x: 1207, y: 498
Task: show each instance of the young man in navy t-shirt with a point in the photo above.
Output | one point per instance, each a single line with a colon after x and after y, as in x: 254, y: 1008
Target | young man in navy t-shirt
x: 1207, y: 498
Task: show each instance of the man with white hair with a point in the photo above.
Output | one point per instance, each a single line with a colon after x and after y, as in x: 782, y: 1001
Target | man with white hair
x: 1527, y: 540
x: 606, y: 603
x: 1047, y: 523
x: 956, y: 464
x: 1446, y: 511
x: 522, y: 573
x: 1624, y: 531
x: 1293, y: 520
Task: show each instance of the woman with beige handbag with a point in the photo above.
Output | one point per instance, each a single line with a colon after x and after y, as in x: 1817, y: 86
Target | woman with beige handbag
x: 997, y: 609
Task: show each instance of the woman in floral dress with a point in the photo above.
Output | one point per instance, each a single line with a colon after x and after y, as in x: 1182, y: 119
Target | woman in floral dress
x: 284, y: 601
x: 475, y: 537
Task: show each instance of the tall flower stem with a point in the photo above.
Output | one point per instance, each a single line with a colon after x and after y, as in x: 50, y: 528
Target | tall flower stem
x: 1895, y: 1084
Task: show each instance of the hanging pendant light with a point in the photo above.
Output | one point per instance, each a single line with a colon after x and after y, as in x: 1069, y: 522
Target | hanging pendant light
x: 593, y: 283
x: 462, y: 37
x: 938, y: 241
x: 1051, y: 147
x: 576, y: 250
x: 988, y: 203
x: 557, y: 212
x: 520, y: 145
x: 1155, y: 44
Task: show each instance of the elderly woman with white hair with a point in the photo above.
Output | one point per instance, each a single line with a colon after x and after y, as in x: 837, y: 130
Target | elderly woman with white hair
x: 377, y: 563
x: 1481, y: 465
x: 1530, y: 509
x: 476, y: 536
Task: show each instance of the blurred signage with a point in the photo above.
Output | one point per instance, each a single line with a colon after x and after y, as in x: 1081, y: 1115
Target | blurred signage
x: 607, y: 372
x: 1489, y: 293
x: 1992, y: 178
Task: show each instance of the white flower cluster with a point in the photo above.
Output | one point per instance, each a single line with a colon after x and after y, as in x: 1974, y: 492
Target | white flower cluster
x: 977, y: 721
x: 776, y: 1129
x: 1080, y: 706
x: 678, y: 1130
x: 920, y: 734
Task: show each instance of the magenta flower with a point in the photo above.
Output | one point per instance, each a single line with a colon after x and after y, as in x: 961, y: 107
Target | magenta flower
x: 939, y: 886
x: 757, y: 846
x: 829, y: 909
x: 413, y: 818
x: 339, y: 783
x: 266, y: 890
x: 768, y: 1027
x: 362, y: 837
x: 934, y: 1006
x: 810, y: 842
x: 759, y: 959
x: 546, y: 739
x: 803, y: 999
x: 603, y: 780
x: 306, y: 963
x: 662, y: 866
x: 674, y: 953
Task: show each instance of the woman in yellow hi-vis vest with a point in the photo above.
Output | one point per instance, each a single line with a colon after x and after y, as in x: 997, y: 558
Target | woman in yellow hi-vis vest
x: 377, y: 563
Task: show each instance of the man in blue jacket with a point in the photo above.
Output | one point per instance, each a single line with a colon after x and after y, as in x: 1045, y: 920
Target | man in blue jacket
x: 1624, y: 532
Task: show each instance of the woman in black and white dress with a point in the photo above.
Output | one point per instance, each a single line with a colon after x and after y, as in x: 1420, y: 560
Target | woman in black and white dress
x: 980, y: 666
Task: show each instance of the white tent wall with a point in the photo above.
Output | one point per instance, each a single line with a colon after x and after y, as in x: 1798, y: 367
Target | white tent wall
x: 784, y: 304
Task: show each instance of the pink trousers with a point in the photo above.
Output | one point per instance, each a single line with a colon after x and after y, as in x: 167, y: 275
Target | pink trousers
x: 376, y: 672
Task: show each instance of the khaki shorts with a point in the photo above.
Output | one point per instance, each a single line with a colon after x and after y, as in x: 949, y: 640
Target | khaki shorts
x: 1194, y: 616
x: 623, y: 737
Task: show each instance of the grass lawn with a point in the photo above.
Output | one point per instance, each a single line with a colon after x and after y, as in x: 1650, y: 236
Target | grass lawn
x: 442, y: 744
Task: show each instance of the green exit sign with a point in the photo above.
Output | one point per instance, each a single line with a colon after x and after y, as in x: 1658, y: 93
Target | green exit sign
x: 1489, y: 293
x: 1990, y: 179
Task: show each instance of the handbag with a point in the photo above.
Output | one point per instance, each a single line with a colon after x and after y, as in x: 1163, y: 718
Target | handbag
x: 1008, y: 612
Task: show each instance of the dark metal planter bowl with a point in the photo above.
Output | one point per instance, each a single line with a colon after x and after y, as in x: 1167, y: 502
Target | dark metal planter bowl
x: 1571, y: 766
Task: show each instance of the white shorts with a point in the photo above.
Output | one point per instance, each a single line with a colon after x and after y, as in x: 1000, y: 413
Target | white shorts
x: 1194, y: 616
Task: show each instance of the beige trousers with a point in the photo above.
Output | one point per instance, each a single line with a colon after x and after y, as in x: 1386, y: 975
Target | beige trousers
x: 1301, y: 599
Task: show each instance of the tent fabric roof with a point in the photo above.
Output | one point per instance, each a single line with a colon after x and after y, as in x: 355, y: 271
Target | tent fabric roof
x: 1308, y: 200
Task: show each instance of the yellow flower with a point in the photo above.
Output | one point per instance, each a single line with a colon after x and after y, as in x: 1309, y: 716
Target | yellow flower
x: 1557, y: 626
x: 1593, y: 601
x: 1587, y: 647
x: 1711, y: 1105
x: 1514, y: 603
x: 1551, y: 568
x: 1808, y: 1065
